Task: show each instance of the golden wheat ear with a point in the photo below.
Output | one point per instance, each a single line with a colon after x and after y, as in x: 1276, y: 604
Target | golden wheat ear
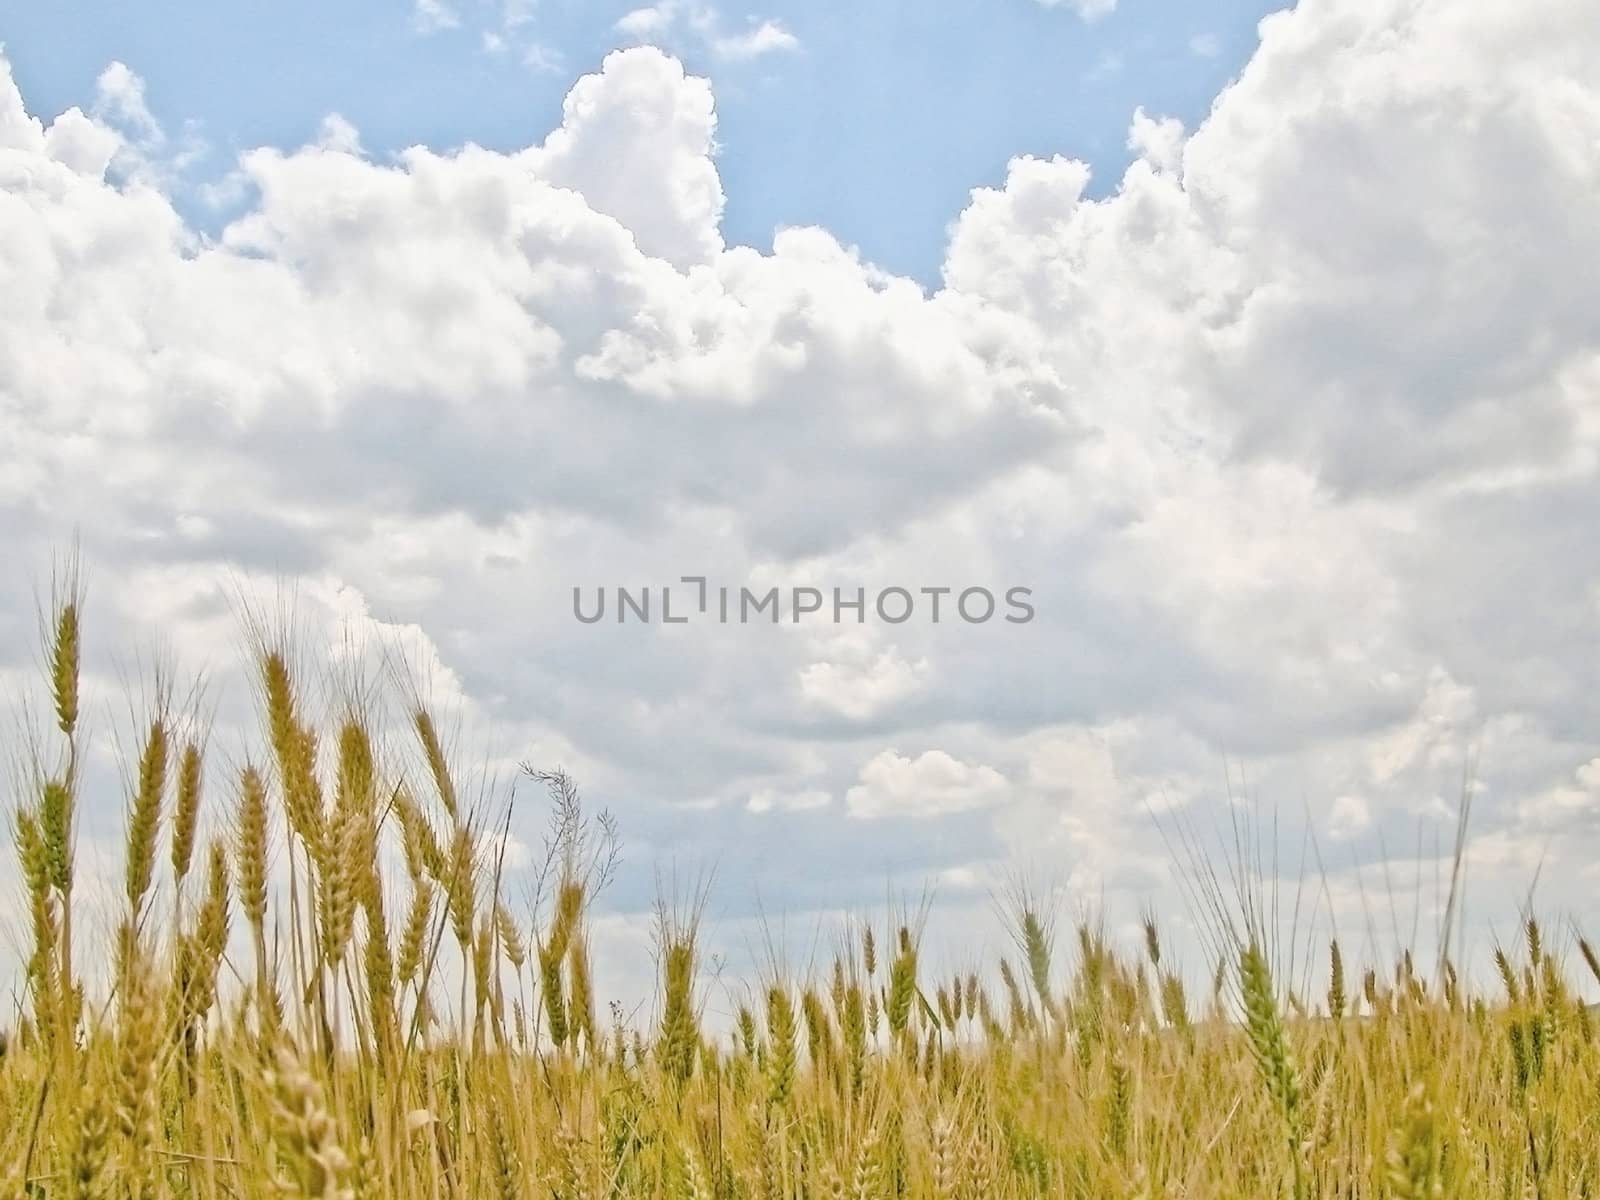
x: 144, y: 818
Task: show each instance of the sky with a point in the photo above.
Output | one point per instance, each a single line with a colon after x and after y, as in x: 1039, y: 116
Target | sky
x: 872, y: 121
x: 1256, y: 347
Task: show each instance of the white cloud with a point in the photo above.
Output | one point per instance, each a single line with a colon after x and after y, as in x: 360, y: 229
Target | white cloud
x: 340, y: 136
x: 507, y: 33
x: 543, y: 58
x: 1205, y: 45
x: 668, y: 20
x: 764, y: 800
x: 85, y: 145
x: 514, y: 14
x: 1159, y: 141
x: 123, y: 125
x: 933, y: 784
x: 859, y: 689
x: 636, y: 143
x: 767, y: 37
x: 1293, y: 433
x: 1348, y: 816
x: 434, y: 16
x: 119, y: 100
x: 1089, y: 10
x: 651, y: 22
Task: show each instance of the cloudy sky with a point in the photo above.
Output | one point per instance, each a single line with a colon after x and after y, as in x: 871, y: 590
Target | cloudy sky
x: 1264, y: 347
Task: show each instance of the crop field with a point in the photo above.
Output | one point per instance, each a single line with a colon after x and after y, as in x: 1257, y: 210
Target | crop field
x: 331, y: 995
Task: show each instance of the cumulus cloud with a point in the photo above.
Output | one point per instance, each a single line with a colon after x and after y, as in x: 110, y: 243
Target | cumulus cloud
x: 119, y: 100
x: 933, y: 784
x: 1293, y: 434
x: 635, y: 143
x: 1158, y: 141
x: 858, y: 689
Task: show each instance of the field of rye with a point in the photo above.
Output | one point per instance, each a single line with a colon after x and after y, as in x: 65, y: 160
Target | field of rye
x: 315, y: 986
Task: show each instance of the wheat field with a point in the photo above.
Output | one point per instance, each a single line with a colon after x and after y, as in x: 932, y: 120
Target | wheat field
x: 333, y: 996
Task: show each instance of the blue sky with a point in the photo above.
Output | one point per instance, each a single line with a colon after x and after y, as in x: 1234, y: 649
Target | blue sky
x: 876, y: 125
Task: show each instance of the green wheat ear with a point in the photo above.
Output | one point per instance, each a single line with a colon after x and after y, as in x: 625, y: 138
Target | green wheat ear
x: 781, y: 1034
x: 64, y: 653
x: 902, y: 984
x: 680, y: 1034
x: 144, y: 817
x: 1269, y: 1045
